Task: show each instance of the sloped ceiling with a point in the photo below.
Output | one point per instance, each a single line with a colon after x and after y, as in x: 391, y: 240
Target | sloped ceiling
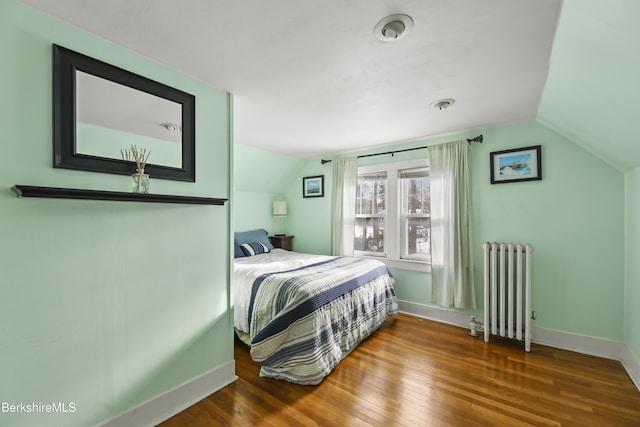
x: 592, y: 94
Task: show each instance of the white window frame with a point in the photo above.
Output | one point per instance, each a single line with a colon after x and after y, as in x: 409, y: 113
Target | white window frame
x: 393, y: 217
x: 383, y: 216
x: 404, y: 218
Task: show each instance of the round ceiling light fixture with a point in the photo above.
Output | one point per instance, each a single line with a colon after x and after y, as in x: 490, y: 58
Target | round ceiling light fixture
x: 443, y: 104
x: 393, y: 27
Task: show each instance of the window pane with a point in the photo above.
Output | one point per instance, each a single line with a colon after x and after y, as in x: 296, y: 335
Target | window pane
x: 369, y: 236
x: 415, y: 205
x: 416, y: 197
x: 370, y: 196
x: 418, y: 238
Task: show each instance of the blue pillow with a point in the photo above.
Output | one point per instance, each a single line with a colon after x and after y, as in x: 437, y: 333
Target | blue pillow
x: 254, y: 248
x: 259, y: 235
x: 237, y: 250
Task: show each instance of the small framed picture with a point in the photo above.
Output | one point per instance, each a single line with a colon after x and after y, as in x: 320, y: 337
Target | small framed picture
x: 516, y: 165
x: 313, y: 186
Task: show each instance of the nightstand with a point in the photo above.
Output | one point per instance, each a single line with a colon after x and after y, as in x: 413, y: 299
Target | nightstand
x: 282, y: 242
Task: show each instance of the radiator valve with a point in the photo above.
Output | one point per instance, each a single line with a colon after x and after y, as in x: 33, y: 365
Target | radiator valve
x: 474, y: 326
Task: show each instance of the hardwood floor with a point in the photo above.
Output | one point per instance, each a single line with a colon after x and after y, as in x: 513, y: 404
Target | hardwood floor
x: 424, y: 373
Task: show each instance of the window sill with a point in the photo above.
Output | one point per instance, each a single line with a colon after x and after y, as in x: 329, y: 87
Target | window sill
x: 403, y: 264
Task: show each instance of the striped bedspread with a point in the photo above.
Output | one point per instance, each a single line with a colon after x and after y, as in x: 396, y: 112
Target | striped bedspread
x: 304, y: 320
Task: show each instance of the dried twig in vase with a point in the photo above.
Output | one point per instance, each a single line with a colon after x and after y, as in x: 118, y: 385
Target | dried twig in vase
x: 134, y: 155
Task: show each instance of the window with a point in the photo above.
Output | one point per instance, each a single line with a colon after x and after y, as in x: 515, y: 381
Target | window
x: 393, y: 219
x: 370, y: 213
x: 415, y: 215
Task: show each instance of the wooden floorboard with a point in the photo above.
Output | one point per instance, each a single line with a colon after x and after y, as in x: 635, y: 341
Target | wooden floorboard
x: 418, y: 372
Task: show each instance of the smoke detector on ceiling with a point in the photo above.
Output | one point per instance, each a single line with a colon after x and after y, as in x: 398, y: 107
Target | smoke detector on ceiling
x: 393, y: 27
x: 443, y: 104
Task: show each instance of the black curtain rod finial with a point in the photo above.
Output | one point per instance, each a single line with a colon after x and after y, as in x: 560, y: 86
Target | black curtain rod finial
x: 477, y: 139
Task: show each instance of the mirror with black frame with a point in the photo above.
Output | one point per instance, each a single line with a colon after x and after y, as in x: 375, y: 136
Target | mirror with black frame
x: 101, y: 110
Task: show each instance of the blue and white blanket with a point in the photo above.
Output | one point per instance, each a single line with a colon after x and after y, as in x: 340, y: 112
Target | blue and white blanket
x: 306, y: 313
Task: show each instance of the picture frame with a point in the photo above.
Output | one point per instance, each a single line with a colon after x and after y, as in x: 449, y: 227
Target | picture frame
x: 313, y: 186
x: 516, y: 165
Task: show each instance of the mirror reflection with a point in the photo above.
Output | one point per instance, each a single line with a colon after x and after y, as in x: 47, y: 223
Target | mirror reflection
x: 100, y: 109
x: 111, y: 117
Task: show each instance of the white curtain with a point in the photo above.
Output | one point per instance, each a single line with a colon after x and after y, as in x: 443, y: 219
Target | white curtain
x: 451, y: 250
x: 343, y: 206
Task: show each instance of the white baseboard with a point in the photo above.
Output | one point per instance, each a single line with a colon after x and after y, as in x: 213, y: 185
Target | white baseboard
x: 599, y: 347
x: 160, y: 408
x: 456, y: 318
x: 632, y: 365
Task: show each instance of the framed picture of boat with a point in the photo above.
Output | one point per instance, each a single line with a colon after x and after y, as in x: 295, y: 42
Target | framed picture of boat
x: 516, y: 165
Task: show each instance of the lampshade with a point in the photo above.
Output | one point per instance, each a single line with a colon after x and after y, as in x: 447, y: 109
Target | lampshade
x: 280, y: 208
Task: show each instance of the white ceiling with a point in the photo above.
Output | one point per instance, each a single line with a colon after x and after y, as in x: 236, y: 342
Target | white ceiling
x: 310, y: 79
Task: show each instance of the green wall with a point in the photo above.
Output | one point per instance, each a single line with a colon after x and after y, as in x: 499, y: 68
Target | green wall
x: 593, y: 62
x: 310, y: 219
x: 632, y: 289
x: 103, y: 304
x: 574, y: 218
x: 260, y: 178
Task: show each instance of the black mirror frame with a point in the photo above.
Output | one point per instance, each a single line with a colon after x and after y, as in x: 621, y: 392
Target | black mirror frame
x: 65, y: 63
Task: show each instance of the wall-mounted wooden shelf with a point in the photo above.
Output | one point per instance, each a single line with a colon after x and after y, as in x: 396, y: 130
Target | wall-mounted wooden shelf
x: 73, y: 193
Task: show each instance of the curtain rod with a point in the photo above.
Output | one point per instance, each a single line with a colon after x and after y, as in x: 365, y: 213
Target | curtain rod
x: 477, y: 139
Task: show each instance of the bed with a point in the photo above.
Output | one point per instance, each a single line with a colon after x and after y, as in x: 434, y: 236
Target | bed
x: 302, y: 313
